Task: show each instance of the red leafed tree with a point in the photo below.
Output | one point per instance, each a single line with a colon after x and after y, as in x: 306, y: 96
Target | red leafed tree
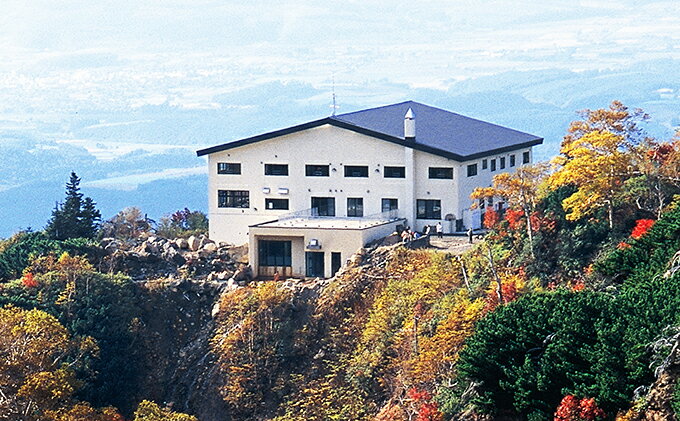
x: 514, y: 218
x: 574, y: 409
x: 491, y: 218
x: 641, y: 227
x: 29, y: 281
x: 426, y: 407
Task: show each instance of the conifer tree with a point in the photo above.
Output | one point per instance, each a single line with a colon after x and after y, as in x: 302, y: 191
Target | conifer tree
x: 76, y: 217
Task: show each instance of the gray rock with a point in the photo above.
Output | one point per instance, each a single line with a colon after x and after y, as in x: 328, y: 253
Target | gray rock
x: 194, y: 243
x: 182, y: 243
x: 210, y: 247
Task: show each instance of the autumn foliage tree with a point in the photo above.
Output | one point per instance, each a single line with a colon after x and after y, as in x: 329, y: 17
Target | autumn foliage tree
x: 39, y: 358
x: 519, y: 189
x: 597, y: 156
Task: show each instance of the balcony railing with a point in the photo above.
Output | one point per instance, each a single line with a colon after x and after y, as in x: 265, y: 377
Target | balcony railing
x: 313, y: 213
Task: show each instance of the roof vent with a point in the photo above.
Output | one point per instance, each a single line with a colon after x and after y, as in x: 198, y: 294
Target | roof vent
x: 409, y: 125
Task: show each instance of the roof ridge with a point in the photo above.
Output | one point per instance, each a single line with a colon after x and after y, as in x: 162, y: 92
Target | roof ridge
x: 378, y: 107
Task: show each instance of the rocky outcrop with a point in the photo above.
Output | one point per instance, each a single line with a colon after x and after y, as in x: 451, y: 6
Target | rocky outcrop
x: 197, y: 257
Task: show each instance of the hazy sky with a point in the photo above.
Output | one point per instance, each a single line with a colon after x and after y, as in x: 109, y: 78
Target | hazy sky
x: 126, y: 53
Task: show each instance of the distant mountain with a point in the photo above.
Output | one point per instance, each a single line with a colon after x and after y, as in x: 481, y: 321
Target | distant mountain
x: 145, y: 156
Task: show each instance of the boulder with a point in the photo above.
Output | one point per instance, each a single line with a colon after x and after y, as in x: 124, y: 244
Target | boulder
x: 182, y: 243
x: 204, y: 241
x: 194, y: 243
x: 210, y: 247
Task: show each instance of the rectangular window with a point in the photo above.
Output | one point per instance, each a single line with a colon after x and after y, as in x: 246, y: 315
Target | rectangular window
x: 441, y: 172
x: 356, y: 171
x: 275, y: 169
x: 316, y: 170
x: 228, y: 168
x: 503, y: 163
x: 323, y: 206
x: 512, y: 160
x: 395, y: 172
x: 485, y: 164
x: 525, y: 158
x: 274, y: 253
x: 390, y: 204
x: 233, y: 199
x: 275, y: 204
x: 472, y: 170
x: 493, y: 165
x: 428, y: 209
x: 355, y: 206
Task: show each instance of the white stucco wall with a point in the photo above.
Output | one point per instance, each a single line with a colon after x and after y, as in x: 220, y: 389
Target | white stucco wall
x: 329, y: 145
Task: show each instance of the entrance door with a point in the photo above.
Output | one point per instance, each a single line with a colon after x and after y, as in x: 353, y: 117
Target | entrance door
x: 315, y: 267
x: 336, y: 262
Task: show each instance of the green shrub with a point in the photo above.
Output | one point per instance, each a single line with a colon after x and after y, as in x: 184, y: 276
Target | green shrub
x: 17, y: 251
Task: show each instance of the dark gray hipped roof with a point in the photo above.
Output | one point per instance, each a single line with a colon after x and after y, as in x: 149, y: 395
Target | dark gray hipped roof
x: 438, y: 131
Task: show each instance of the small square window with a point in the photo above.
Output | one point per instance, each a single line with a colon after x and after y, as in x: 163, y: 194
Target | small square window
x: 390, y: 204
x: 525, y: 157
x: 503, y: 163
x: 356, y: 171
x: 276, y: 204
x: 428, y: 209
x: 316, y: 170
x: 512, y: 160
x: 228, y: 168
x: 441, y: 173
x: 355, y: 206
x: 233, y: 199
x: 493, y: 165
x: 275, y: 169
x: 472, y: 170
x: 485, y: 164
x: 395, y: 172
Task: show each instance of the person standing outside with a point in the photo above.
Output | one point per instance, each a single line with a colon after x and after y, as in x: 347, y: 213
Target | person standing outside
x: 469, y: 233
x: 440, y: 230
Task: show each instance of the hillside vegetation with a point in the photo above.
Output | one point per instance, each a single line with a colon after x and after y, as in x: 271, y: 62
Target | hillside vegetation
x: 568, y: 310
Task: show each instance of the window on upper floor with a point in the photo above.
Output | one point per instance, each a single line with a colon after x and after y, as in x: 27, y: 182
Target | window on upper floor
x: 390, y: 204
x: 275, y: 169
x: 493, y: 165
x: 472, y: 170
x: 441, y: 173
x: 512, y: 160
x: 276, y: 204
x: 395, y: 172
x: 228, y: 168
x: 323, y: 206
x: 525, y: 157
x: 355, y: 206
x: 316, y: 170
x: 233, y: 199
x: 485, y: 164
x: 428, y: 209
x: 356, y: 171
x: 502, y: 163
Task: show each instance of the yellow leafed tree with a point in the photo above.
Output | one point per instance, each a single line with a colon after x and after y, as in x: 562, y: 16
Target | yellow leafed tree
x: 597, y: 164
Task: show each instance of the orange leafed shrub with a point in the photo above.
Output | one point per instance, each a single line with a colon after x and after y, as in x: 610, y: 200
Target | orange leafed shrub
x: 514, y: 218
x: 641, y: 227
x: 428, y: 410
x: 574, y: 409
x: 29, y: 280
x: 491, y: 218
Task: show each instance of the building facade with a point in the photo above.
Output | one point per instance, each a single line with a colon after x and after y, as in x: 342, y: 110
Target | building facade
x: 408, y: 162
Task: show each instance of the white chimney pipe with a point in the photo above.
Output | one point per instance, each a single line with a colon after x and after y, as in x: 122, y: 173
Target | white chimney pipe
x: 409, y: 125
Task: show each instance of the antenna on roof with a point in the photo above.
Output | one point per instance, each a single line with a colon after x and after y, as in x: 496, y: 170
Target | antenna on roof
x: 334, y: 105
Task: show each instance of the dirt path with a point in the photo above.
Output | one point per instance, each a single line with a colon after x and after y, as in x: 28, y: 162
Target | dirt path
x: 454, y: 244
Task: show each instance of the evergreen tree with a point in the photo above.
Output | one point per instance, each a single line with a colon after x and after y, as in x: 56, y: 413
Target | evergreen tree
x: 76, y: 217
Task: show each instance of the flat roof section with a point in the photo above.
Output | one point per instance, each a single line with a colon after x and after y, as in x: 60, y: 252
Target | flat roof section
x: 334, y: 223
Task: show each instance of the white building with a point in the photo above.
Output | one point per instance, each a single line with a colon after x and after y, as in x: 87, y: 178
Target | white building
x: 349, y: 179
